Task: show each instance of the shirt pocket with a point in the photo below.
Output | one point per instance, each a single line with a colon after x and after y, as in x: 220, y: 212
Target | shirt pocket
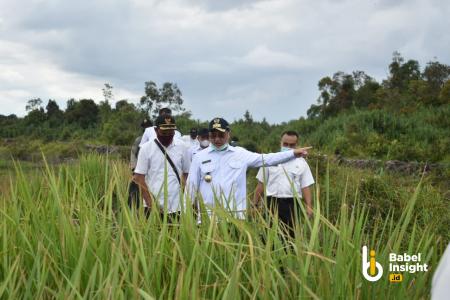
x: 293, y: 172
x: 207, y: 168
x: 235, y: 164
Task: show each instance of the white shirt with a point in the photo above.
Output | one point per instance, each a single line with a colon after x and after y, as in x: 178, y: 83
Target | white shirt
x: 228, y: 171
x: 150, y: 135
x: 190, y: 152
x: 190, y: 142
x: 278, y: 179
x: 153, y: 164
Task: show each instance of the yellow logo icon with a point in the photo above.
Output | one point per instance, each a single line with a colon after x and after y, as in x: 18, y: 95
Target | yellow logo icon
x: 372, y: 265
x: 395, y: 277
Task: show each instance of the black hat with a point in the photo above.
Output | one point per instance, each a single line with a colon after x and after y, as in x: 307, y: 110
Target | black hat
x: 146, y: 123
x: 166, y: 122
x: 219, y: 124
x: 193, y: 131
x: 165, y: 111
x: 203, y: 132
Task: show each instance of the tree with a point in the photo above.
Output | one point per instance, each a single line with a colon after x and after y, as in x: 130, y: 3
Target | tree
x: 436, y: 74
x: 36, y: 114
x: 123, y: 125
x: 33, y: 104
x: 169, y: 95
x: 35, y: 117
x: 123, y: 104
x: 85, y: 113
x: 402, y: 73
x: 248, y: 117
x: 150, y: 97
x: 444, y: 96
x: 105, y: 106
x: 107, y: 92
x: 55, y: 116
x: 434, y: 77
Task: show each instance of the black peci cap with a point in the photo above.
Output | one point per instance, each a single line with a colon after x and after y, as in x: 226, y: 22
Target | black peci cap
x: 165, y: 122
x: 203, y: 132
x: 219, y: 124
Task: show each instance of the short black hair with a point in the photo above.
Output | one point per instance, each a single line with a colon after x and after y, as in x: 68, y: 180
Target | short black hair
x: 165, y: 111
x: 290, y: 132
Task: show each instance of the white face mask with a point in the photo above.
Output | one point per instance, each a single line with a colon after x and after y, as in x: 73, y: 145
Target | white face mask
x: 221, y: 148
x: 204, y: 143
x: 285, y: 149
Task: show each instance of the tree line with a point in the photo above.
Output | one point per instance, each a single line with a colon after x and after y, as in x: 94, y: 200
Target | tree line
x: 405, y: 116
x: 406, y: 89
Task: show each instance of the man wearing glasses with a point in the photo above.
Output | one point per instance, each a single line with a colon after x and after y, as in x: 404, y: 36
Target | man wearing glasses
x: 218, y: 173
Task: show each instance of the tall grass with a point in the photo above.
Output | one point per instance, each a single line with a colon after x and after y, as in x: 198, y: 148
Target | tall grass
x: 67, y: 233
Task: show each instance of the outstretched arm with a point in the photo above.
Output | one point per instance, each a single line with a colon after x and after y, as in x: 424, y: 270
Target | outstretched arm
x: 255, y: 160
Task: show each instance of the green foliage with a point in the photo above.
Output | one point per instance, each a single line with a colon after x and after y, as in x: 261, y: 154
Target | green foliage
x: 68, y: 233
x: 85, y: 113
x: 405, y: 89
x: 169, y: 95
x: 123, y: 124
x: 405, y: 117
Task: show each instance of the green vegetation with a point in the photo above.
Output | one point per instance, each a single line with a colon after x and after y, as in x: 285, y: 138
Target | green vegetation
x: 66, y: 232
x: 405, y: 117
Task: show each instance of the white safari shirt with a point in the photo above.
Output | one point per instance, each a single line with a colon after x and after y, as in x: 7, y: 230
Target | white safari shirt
x: 189, y: 141
x: 153, y: 164
x: 150, y: 135
x: 282, y: 178
x: 228, y: 175
x: 190, y: 152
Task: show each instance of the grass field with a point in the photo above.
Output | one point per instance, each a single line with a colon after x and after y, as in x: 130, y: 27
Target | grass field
x: 66, y: 232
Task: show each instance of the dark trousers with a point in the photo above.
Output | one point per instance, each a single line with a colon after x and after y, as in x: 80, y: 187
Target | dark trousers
x: 171, y: 217
x: 287, y: 210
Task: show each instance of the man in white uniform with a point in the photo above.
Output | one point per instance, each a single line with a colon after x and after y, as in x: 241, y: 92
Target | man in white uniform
x: 191, y: 139
x: 135, y: 148
x: 161, y: 158
x: 203, y: 143
x: 218, y: 173
x: 150, y: 132
x: 284, y: 184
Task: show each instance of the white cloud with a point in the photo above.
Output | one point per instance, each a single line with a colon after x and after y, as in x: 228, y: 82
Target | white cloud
x: 241, y: 54
x: 27, y: 74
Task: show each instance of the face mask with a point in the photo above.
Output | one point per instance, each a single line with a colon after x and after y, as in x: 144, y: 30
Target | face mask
x: 204, y: 143
x: 283, y: 149
x: 165, y: 140
x: 221, y: 148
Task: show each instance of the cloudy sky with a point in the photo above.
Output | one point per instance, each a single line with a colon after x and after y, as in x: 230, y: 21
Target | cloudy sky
x: 226, y: 56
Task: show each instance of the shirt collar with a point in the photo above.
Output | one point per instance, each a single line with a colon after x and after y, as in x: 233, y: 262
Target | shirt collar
x: 230, y: 148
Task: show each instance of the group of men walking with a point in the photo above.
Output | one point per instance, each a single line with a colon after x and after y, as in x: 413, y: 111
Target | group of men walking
x: 205, y: 167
